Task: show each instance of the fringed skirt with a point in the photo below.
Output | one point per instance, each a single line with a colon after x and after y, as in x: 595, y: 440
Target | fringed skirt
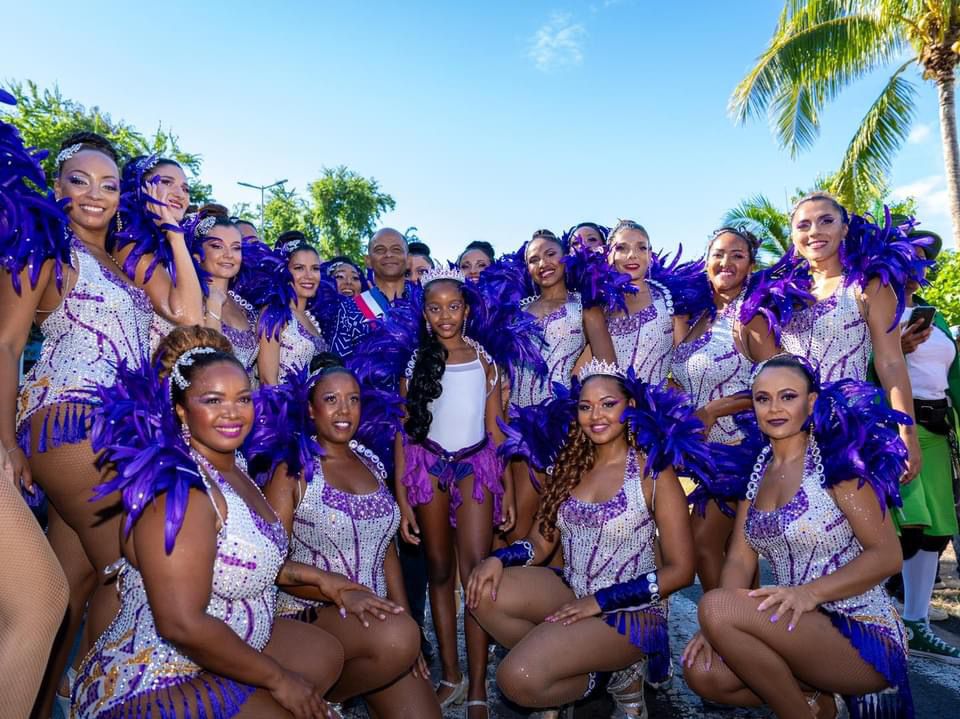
x: 429, y: 459
x: 647, y: 630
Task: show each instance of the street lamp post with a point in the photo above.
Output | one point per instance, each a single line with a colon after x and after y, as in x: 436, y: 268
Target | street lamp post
x: 263, y: 189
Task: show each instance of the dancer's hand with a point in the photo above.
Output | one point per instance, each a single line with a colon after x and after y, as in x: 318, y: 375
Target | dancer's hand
x: 421, y: 670
x: 409, y: 529
x: 914, y: 458
x: 364, y: 603
x: 697, y: 645
x: 299, y: 697
x: 334, y: 586
x: 15, y: 468
x: 793, y: 600
x: 489, y: 571
x: 574, y: 611
x: 167, y: 221
x: 706, y: 416
x: 912, y: 337
x: 508, y: 512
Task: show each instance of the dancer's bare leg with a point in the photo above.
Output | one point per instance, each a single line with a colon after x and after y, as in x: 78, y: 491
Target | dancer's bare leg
x: 711, y: 533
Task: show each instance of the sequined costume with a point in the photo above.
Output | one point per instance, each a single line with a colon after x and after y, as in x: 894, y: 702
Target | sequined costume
x: 244, y: 341
x: 298, y: 346
x: 711, y: 367
x: 832, y: 334
x: 132, y: 671
x: 101, y: 321
x: 564, y: 342
x: 644, y: 340
x: 607, y: 543
x: 342, y: 532
x: 160, y: 327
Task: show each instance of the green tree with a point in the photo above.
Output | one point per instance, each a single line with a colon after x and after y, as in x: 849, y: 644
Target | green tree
x: 46, y: 117
x: 344, y: 208
x: 286, y: 210
x: 944, y: 289
x: 819, y: 47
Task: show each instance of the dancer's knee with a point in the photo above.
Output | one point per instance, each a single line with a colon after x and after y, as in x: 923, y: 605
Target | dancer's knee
x: 522, y: 678
x: 705, y: 682
x: 715, y: 611
x: 397, y: 642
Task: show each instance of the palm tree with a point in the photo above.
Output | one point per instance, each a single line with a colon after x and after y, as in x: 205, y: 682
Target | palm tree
x: 821, y: 46
x: 768, y: 222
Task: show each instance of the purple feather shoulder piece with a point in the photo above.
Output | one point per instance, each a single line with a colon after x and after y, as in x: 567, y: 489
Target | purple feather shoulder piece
x: 269, y: 288
x: 597, y: 281
x: 537, y: 433
x: 732, y: 464
x: 32, y: 222
x: 776, y: 292
x: 137, y: 435
x: 381, y: 356
x: 687, y: 283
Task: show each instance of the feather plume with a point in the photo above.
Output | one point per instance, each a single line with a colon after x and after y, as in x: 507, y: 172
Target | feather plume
x: 776, y: 292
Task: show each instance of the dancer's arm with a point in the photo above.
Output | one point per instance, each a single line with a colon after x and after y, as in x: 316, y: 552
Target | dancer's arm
x: 494, y: 411
x: 268, y: 358
x: 409, y: 529
x: 598, y: 335
x: 532, y: 549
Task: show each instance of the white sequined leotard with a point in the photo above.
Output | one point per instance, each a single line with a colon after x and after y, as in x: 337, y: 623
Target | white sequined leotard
x: 644, y: 340
x: 298, y: 347
x: 100, y: 322
x: 345, y: 533
x: 711, y: 367
x: 131, y: 659
x: 564, y: 342
x: 832, y: 334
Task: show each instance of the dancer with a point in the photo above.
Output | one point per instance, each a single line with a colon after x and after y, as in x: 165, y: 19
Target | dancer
x: 614, y: 489
x: 859, y: 272
x: 289, y: 335
x: 36, y: 593
x: 341, y: 517
x: 477, y: 257
x: 348, y: 278
x: 587, y: 236
x: 419, y: 261
x: 712, y: 364
x: 195, y: 523
x: 816, y: 510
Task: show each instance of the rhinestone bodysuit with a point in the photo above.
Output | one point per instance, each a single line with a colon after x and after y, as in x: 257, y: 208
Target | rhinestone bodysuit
x: 130, y: 658
x: 342, y: 532
x: 297, y: 348
x: 644, y: 340
x: 564, y: 342
x: 244, y: 342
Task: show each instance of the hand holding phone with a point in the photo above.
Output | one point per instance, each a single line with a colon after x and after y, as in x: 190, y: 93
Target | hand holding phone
x: 921, y: 318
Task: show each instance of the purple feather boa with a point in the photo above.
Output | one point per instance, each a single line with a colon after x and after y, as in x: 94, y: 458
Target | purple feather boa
x: 776, y: 292
x: 32, y: 223
x: 731, y: 463
x: 687, y: 282
x: 381, y: 356
x: 597, y: 281
x: 137, y: 434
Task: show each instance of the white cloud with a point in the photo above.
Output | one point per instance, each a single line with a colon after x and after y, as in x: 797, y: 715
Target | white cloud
x: 933, y: 203
x: 557, y: 43
x: 918, y: 134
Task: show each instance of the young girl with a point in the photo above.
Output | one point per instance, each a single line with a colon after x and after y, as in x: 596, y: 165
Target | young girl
x: 613, y: 492
x: 451, y: 487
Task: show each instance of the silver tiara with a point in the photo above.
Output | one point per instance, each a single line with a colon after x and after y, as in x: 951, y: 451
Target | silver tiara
x: 290, y: 246
x: 204, y: 226
x: 442, y: 273
x: 68, y: 152
x: 186, y: 360
x: 145, y: 164
x: 601, y: 367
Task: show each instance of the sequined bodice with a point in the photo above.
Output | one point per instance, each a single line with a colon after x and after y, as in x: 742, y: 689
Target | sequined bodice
x: 644, y: 340
x: 160, y: 327
x: 810, y: 537
x: 297, y: 348
x: 244, y: 342
x: 563, y: 343
x: 607, y: 542
x: 101, y: 321
x: 832, y: 334
x: 130, y: 657
x: 711, y: 367
x: 342, y: 532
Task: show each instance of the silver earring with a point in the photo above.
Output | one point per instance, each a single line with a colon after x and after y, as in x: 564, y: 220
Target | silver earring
x: 185, y: 434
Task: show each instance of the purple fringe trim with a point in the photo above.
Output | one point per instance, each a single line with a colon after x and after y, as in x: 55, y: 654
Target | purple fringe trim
x: 487, y: 472
x: 73, y: 428
x: 225, y: 696
x: 647, y: 631
x: 880, y: 651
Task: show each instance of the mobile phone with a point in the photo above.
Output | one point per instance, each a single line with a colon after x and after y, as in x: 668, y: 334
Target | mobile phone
x: 921, y: 318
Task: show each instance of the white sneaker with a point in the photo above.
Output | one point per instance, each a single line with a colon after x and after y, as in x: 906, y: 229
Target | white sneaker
x: 936, y: 614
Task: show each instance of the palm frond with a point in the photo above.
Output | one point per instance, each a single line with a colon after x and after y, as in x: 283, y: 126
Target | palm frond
x: 768, y: 222
x: 869, y: 156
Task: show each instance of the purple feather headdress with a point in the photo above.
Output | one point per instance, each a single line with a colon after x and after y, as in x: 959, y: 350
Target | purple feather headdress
x: 776, y: 292
x: 137, y: 434
x: 884, y: 252
x: 255, y: 258
x: 599, y: 283
x: 508, y: 278
x: 32, y: 223
x: 139, y: 222
x: 687, y: 283
x: 270, y: 288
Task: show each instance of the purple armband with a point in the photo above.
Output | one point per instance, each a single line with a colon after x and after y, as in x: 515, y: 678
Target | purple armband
x: 518, y: 554
x: 637, y: 592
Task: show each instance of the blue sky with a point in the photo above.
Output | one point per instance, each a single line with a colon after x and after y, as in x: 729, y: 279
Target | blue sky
x: 483, y: 120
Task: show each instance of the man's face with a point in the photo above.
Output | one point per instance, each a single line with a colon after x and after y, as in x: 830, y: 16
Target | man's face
x: 387, y: 255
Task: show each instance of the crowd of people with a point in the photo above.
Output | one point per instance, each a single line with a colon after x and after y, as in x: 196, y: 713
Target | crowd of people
x: 256, y: 463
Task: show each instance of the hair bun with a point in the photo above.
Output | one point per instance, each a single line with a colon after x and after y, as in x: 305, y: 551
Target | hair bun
x: 213, y: 209
x: 326, y: 360
x: 184, y: 339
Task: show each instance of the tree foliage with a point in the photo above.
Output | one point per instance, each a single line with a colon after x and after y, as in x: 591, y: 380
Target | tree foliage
x: 345, y: 208
x: 45, y: 118
x: 944, y: 289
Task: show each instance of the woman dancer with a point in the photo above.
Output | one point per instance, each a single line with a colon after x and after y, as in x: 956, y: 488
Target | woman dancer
x: 831, y: 544
x: 477, y: 257
x: 289, y: 335
x: 332, y: 498
x: 613, y: 491
x: 712, y: 364
x: 92, y: 317
x: 859, y: 273
x: 195, y: 522
x: 347, y: 277
x: 36, y: 592
x: 587, y: 236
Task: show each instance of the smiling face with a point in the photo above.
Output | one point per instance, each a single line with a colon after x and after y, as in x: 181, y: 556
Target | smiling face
x: 335, y: 408
x: 417, y: 266
x: 387, y: 255
x: 217, y: 407
x: 587, y: 238
x: 472, y: 263
x: 728, y: 262
x: 444, y: 308
x: 782, y: 401
x: 91, y: 181
x: 817, y: 229
x: 173, y: 181
x: 222, y: 251
x: 630, y: 253
x: 347, y: 278
x: 543, y: 257
x: 305, y: 267
x: 601, y: 405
